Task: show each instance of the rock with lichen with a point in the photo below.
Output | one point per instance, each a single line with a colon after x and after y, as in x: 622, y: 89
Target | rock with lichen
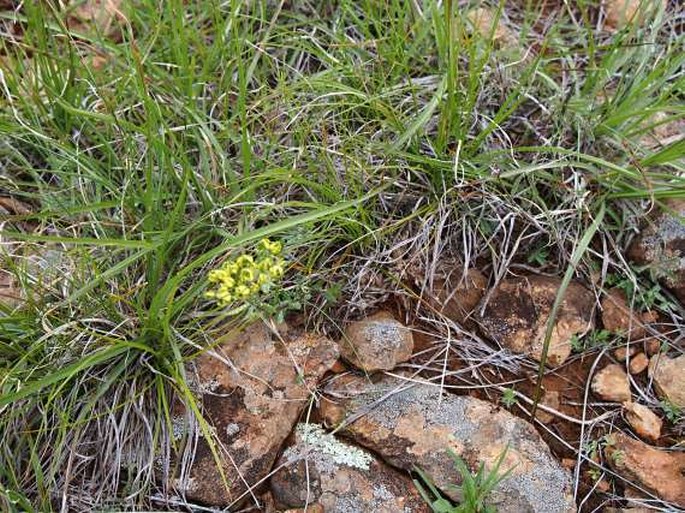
x: 378, y: 342
x: 252, y: 389
x: 413, y: 424
x: 320, y: 471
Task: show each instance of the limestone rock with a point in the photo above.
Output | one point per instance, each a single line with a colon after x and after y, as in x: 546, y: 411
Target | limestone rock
x: 659, y: 472
x: 643, y: 421
x: 378, y: 342
x: 612, y: 384
x: 455, y: 295
x: 619, y: 13
x: 413, y: 425
x: 253, y: 388
x: 661, y: 245
x: 517, y: 312
x: 669, y: 378
x: 617, y: 316
x: 318, y: 469
x: 638, y: 363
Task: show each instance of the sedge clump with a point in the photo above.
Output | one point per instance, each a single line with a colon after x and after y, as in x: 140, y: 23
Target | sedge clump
x: 247, y: 277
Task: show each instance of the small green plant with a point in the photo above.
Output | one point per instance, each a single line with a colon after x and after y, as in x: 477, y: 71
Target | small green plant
x: 594, y: 474
x: 539, y: 256
x: 646, y: 296
x: 672, y: 412
x: 618, y: 456
x: 508, y: 398
x: 592, y: 448
x: 473, y: 490
x: 593, y: 339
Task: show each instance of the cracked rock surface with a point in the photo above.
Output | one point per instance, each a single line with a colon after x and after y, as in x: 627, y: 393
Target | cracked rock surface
x: 413, y: 424
x: 252, y: 388
x: 319, y: 470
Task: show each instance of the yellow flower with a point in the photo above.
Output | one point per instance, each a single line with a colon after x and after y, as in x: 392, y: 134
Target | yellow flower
x: 272, y: 247
x: 247, y: 275
x: 265, y: 264
x: 242, y: 291
x: 244, y: 260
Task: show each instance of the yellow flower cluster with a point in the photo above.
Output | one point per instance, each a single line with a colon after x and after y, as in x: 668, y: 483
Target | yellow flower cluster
x: 245, y: 277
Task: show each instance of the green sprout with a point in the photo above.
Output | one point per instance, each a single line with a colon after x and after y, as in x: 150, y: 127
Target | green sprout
x: 473, y: 490
x: 508, y: 397
x: 672, y: 412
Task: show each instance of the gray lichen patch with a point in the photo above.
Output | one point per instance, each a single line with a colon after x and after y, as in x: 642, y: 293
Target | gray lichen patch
x: 381, y: 334
x: 340, y: 477
x: 328, y: 450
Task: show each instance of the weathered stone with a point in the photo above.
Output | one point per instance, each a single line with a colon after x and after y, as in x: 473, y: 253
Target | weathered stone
x: 622, y: 353
x: 669, y: 378
x: 652, y: 346
x: 455, y: 295
x: 414, y: 425
x: 661, y: 246
x: 253, y: 388
x: 620, y: 13
x: 379, y: 342
x: 340, y: 478
x: 612, y: 384
x: 618, y: 317
x: 643, y: 421
x: 657, y: 471
x: 517, y: 312
x: 638, y: 363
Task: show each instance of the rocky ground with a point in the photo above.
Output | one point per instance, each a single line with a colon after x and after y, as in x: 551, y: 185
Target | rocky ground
x: 305, y: 422
x: 291, y: 420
